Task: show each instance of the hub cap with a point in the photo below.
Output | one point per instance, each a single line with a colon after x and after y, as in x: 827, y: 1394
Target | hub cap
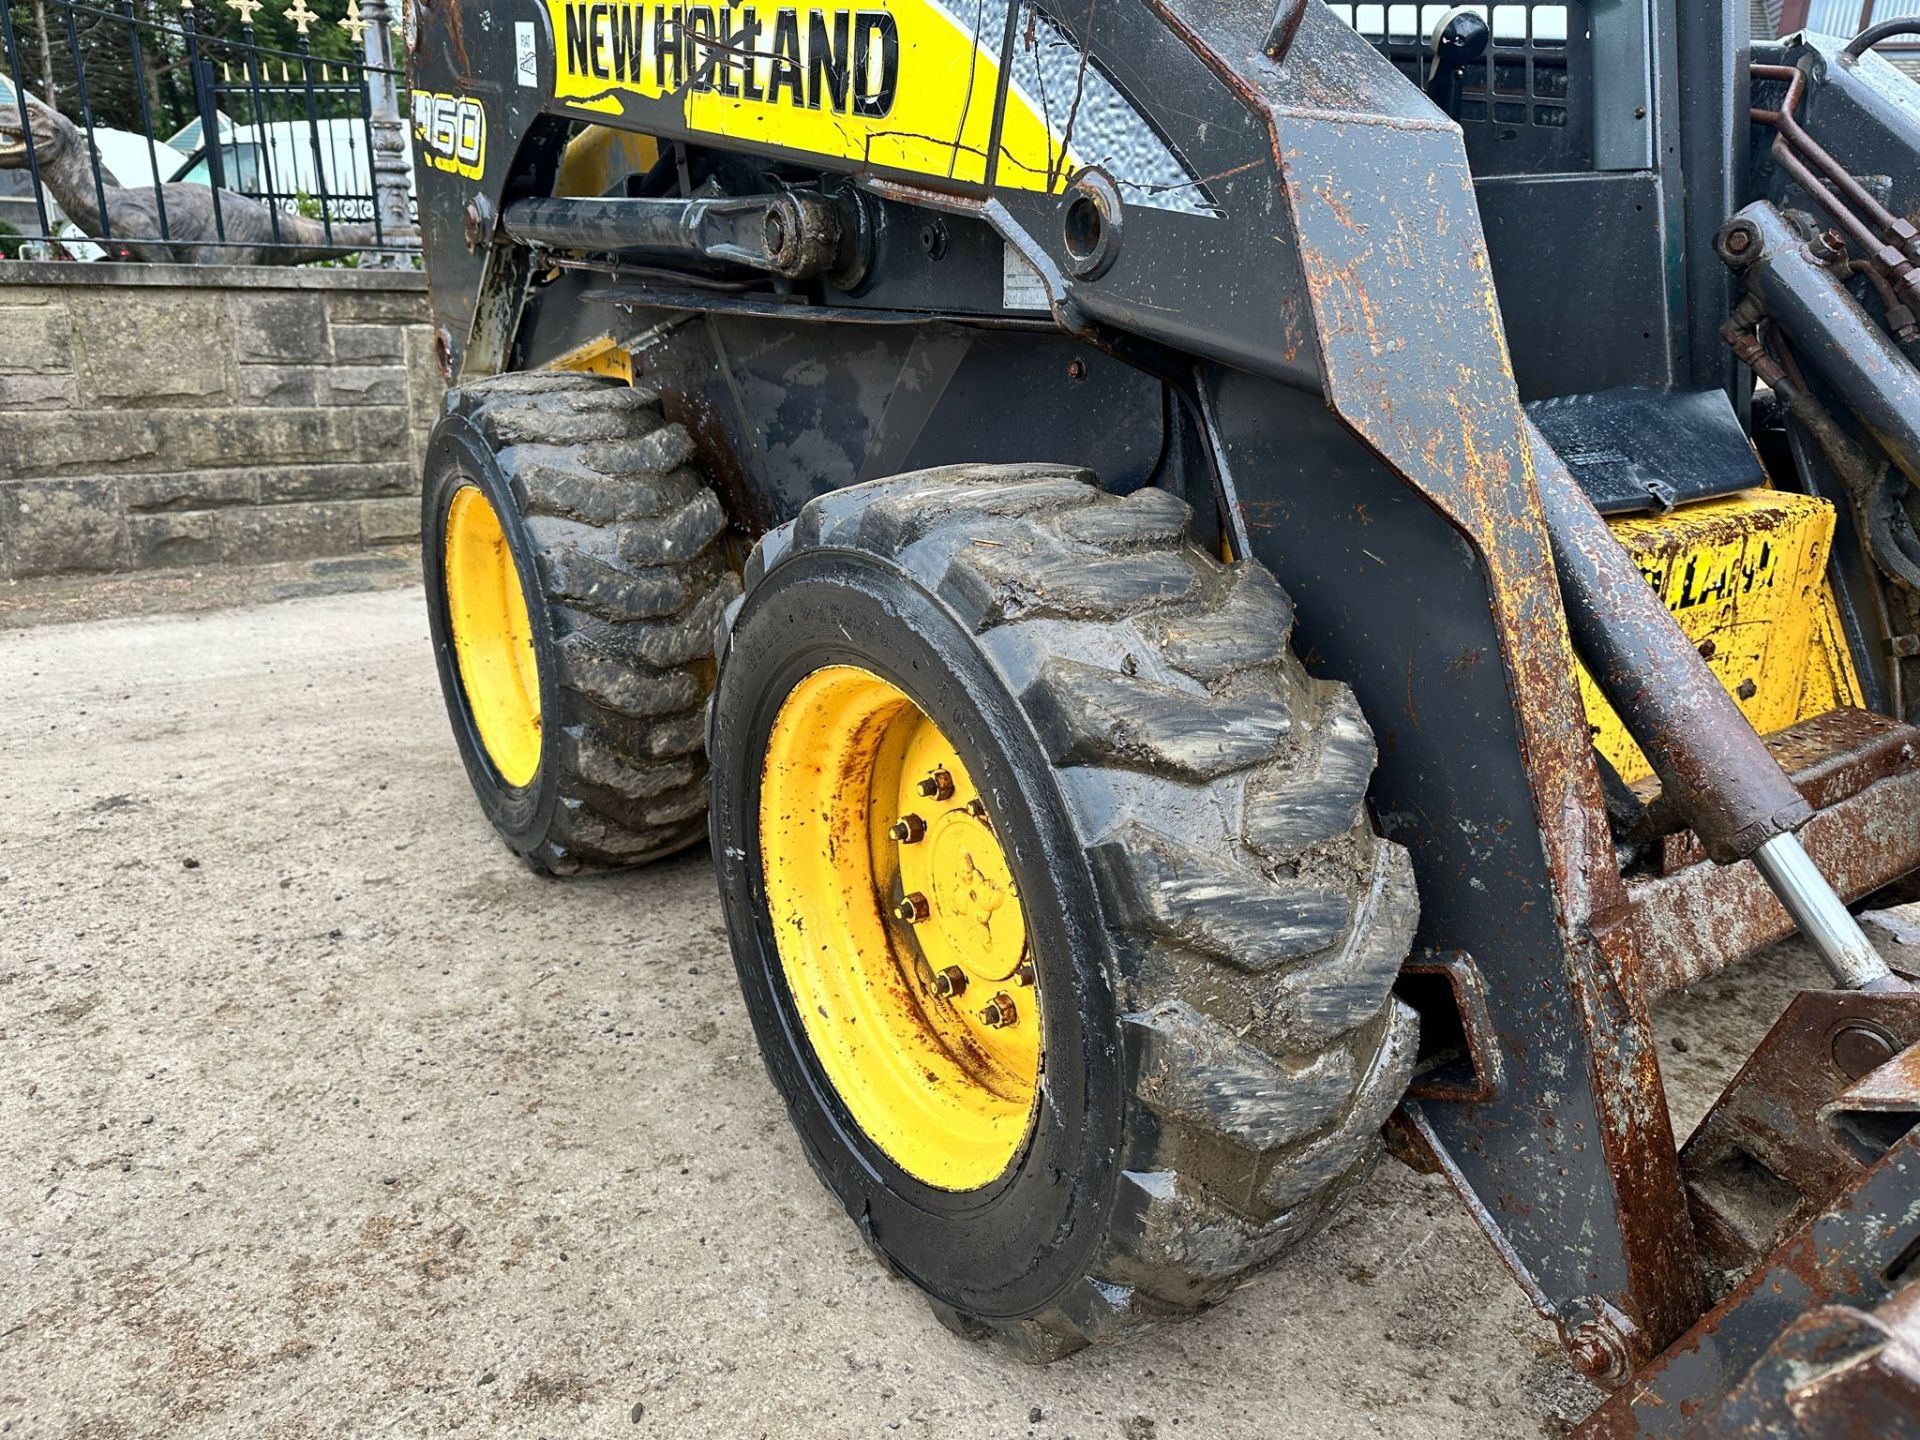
x: 899, y: 928
x: 492, y: 638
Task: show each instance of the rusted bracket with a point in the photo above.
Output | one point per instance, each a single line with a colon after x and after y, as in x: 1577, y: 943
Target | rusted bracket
x: 1835, y: 1372
x: 1876, y: 1112
x: 1819, y: 1339
x: 1763, y: 1161
x: 1459, y: 1047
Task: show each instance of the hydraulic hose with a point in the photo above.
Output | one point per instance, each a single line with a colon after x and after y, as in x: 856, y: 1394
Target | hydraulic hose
x: 1874, y: 34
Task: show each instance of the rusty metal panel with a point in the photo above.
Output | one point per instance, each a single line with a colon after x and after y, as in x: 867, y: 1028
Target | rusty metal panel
x: 1836, y: 1373
x: 1762, y: 1161
x: 1859, y: 1251
x: 1697, y: 922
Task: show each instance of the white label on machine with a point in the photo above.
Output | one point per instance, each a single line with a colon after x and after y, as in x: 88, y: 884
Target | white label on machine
x: 1021, y: 287
x: 526, y: 63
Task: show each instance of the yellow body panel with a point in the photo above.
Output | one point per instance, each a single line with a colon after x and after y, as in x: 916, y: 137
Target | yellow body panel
x: 900, y: 929
x: 897, y: 84
x: 1746, y: 577
x: 601, y: 157
x: 492, y: 637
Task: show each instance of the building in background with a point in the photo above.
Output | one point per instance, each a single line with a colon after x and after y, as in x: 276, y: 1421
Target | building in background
x: 1845, y: 18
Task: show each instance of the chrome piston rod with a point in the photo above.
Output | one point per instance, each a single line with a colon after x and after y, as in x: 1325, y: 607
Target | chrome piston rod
x: 1831, y: 929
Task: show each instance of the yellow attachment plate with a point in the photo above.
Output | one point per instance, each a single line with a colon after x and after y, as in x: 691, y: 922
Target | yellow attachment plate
x: 900, y: 929
x: 600, y: 356
x: 492, y: 637
x: 1745, y: 575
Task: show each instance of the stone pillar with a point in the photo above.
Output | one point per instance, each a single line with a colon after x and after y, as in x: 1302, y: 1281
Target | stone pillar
x: 390, y: 186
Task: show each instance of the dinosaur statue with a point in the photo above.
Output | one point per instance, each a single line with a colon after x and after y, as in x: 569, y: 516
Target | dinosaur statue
x: 133, y: 215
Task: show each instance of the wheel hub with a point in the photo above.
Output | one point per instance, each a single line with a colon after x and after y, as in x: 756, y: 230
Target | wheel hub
x: 974, y: 901
x: 900, y: 930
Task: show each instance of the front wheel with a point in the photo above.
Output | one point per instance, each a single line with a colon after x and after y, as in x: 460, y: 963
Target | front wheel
x: 1054, y: 900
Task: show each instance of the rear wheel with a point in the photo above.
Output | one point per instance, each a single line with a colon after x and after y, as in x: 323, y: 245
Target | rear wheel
x: 575, y: 589
x: 1054, y: 900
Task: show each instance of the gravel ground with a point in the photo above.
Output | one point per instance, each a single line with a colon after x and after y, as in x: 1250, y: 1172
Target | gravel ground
x: 321, y: 1116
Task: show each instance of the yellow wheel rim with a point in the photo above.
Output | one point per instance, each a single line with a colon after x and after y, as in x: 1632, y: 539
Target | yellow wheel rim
x: 899, y: 928
x: 492, y: 639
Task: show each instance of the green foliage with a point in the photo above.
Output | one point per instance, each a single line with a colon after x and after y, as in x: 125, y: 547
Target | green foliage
x: 115, y: 82
x: 272, y: 30
x: 310, y: 207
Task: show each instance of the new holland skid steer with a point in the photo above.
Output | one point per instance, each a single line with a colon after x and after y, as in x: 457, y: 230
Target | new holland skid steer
x: 1226, y: 579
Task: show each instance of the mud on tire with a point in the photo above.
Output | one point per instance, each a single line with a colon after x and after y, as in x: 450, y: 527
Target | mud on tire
x: 1234, y: 975
x: 614, y: 534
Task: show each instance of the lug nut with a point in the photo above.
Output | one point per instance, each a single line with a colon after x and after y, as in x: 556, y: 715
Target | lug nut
x: 977, y: 808
x: 1023, y: 973
x: 913, y: 909
x: 1000, y: 1012
x: 909, y: 830
x: 938, y: 785
x: 949, y: 982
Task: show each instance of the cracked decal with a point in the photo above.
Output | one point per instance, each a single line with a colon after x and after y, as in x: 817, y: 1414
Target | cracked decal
x: 906, y: 85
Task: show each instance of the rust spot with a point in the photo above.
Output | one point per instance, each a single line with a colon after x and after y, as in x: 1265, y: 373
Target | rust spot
x: 457, y: 44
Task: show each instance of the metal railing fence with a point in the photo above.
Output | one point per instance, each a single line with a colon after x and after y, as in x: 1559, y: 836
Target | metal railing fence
x: 237, y: 134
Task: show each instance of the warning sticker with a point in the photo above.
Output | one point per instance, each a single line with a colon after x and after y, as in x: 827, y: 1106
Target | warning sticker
x: 526, y: 63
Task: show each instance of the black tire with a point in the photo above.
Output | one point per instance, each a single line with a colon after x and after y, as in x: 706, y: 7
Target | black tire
x: 1222, y: 927
x: 613, y: 535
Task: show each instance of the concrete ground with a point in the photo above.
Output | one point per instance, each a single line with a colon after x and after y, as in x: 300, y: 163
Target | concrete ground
x: 321, y: 1116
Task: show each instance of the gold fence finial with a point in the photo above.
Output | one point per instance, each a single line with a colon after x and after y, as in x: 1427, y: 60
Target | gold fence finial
x: 352, y: 23
x: 245, y: 9
x: 297, y: 12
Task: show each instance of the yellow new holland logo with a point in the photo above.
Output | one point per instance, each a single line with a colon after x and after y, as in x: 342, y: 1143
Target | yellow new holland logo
x: 843, y: 62
x: 903, y: 85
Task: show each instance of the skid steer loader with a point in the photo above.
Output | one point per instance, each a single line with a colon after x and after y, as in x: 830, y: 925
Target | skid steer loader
x: 1225, y: 579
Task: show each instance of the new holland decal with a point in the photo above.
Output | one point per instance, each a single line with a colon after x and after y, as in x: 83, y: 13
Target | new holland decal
x: 906, y: 85
x: 845, y: 62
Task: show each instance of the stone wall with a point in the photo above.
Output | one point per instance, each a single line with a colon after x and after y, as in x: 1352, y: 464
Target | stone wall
x: 178, y: 415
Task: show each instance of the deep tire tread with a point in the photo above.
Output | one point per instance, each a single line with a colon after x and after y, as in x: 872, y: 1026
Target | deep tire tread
x: 634, y: 587
x: 1260, y: 920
